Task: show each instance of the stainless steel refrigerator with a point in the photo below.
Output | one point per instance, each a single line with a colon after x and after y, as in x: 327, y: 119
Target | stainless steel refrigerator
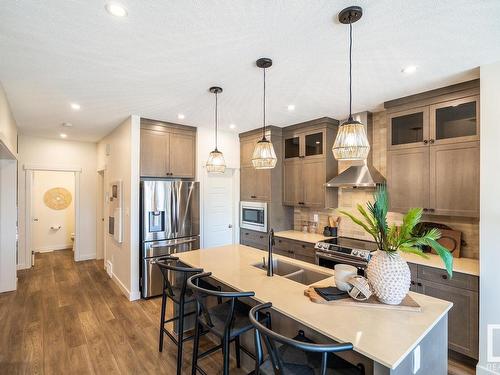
x: 170, y: 222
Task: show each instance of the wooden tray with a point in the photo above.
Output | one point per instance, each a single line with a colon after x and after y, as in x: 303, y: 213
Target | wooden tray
x: 408, y: 304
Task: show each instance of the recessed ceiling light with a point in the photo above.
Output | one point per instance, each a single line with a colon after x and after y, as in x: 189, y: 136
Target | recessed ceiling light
x: 180, y: 116
x: 291, y: 107
x: 63, y: 135
x: 67, y: 124
x: 116, y: 9
x: 232, y: 126
x: 410, y: 69
x: 75, y: 106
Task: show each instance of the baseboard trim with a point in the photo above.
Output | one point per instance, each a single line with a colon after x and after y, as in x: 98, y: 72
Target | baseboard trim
x: 47, y: 249
x: 481, y: 370
x: 22, y: 267
x: 132, y: 296
x: 86, y: 257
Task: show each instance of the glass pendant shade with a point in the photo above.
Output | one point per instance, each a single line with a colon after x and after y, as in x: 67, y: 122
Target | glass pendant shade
x: 216, y: 162
x: 264, y: 156
x: 351, y: 142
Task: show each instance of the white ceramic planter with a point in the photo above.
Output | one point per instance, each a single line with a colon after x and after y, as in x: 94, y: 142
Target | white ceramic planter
x: 389, y: 277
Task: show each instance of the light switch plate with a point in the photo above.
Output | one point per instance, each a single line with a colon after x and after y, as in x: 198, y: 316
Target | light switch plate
x: 416, y: 359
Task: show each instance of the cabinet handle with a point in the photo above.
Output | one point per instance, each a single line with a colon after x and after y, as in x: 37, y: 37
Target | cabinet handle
x: 431, y: 141
x: 444, y: 277
x: 425, y: 141
x: 253, y: 196
x: 425, y: 209
x: 432, y: 209
x: 412, y: 282
x: 419, y: 284
x: 303, y: 246
x: 261, y: 236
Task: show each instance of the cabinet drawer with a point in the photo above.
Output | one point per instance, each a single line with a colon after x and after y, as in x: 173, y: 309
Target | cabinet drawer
x: 459, y: 280
x: 303, y: 249
x: 283, y: 244
x: 253, y: 236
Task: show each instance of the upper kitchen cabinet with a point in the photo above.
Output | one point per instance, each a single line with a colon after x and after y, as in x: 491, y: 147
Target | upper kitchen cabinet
x: 308, y: 164
x: 408, y: 129
x: 167, y: 150
x: 455, y: 121
x: 436, y: 168
x: 263, y: 185
x: 442, y: 116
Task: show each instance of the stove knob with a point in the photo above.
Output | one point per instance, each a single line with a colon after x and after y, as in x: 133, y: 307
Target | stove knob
x: 354, y: 252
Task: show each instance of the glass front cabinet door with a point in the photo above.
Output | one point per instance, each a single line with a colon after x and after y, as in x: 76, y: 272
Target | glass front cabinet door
x: 455, y: 121
x: 408, y: 129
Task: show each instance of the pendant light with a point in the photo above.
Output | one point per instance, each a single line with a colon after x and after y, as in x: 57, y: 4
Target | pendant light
x: 351, y: 142
x: 216, y: 162
x: 264, y: 156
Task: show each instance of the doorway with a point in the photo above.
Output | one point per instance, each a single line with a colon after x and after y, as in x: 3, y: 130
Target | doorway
x: 218, y: 209
x: 51, y: 189
x: 101, y: 223
x: 53, y: 211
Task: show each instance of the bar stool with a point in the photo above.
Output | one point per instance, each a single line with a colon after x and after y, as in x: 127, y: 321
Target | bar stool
x: 298, y: 356
x: 227, y: 321
x: 179, y: 295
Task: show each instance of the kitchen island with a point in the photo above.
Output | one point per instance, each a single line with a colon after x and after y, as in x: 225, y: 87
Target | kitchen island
x: 392, y: 341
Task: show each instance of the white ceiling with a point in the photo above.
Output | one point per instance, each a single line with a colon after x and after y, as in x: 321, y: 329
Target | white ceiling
x: 162, y: 58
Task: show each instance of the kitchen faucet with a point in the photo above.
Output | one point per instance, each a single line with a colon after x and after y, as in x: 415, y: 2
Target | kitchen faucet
x: 270, y: 253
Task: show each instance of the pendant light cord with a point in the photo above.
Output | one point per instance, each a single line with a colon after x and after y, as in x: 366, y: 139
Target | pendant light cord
x: 264, y: 106
x: 350, y: 69
x: 216, y: 118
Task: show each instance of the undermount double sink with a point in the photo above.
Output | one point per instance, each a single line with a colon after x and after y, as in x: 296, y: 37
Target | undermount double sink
x: 295, y: 273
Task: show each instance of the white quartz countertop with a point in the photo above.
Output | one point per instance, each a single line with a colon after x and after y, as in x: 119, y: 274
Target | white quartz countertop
x: 385, y: 336
x: 462, y: 265
x: 301, y: 236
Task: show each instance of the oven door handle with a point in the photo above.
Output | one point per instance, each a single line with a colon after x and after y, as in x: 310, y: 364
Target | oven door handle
x: 341, y: 259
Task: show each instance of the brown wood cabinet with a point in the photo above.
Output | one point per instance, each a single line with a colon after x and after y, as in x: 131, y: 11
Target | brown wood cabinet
x: 454, y: 179
x: 433, y: 151
x: 463, y: 291
x: 295, y: 249
x: 308, y: 164
x: 255, y: 184
x: 253, y: 239
x: 167, y: 150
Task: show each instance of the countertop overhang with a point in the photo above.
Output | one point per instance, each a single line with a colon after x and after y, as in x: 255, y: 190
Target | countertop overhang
x: 385, y: 336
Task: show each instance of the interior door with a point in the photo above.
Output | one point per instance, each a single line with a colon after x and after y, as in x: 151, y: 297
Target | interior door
x: 218, y: 213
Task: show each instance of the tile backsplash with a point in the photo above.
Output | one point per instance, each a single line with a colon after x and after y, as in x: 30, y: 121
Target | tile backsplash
x: 349, y: 198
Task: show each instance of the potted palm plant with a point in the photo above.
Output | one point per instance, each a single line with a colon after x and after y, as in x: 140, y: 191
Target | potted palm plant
x: 387, y: 272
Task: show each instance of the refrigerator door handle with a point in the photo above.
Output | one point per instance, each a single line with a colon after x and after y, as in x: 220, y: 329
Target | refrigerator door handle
x: 179, y: 242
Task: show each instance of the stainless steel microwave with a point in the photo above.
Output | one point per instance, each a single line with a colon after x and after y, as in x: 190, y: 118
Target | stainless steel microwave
x: 253, y: 216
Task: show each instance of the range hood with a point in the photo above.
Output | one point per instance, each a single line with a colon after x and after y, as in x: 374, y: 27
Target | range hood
x: 360, y: 174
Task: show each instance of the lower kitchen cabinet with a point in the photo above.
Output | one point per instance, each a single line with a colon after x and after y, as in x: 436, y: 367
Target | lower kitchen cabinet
x: 463, y: 291
x: 254, y: 238
x: 295, y: 249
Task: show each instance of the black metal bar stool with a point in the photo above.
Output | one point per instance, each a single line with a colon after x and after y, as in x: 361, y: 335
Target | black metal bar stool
x: 179, y: 295
x: 298, y: 356
x: 227, y: 321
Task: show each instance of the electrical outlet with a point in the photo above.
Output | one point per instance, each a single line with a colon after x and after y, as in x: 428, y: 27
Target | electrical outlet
x: 416, y: 359
x: 315, y: 218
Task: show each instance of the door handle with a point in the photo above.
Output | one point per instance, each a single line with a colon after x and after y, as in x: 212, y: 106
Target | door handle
x: 35, y: 219
x: 230, y: 226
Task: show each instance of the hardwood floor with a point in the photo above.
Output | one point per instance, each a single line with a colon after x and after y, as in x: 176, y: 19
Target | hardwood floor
x: 69, y: 317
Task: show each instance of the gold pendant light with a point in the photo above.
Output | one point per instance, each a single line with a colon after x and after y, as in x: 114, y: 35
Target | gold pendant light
x: 351, y: 142
x: 264, y: 156
x: 216, y: 162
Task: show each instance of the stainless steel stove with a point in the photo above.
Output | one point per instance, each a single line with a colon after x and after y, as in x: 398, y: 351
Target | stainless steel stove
x: 344, y: 250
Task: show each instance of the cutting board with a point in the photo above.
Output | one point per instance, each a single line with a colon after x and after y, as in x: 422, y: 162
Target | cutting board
x: 451, y: 239
x: 408, y: 304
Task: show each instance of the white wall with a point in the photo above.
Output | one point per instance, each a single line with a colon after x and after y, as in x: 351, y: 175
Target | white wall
x: 8, y: 127
x: 122, y: 163
x: 61, y: 153
x: 45, y: 238
x: 489, y: 308
x: 229, y: 145
x: 8, y: 199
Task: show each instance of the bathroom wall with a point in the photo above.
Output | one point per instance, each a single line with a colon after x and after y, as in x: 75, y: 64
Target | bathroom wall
x: 45, y: 238
x: 349, y: 198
